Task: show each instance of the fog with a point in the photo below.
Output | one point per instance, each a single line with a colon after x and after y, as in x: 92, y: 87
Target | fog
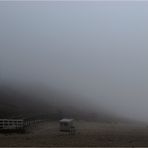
x: 94, y: 49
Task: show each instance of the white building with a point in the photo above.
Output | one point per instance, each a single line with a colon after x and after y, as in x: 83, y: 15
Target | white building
x: 11, y: 124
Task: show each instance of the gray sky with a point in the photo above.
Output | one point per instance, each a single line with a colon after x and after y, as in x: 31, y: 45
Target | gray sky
x: 98, y: 49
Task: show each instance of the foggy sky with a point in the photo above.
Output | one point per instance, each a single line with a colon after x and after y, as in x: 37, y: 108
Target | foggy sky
x: 97, y: 49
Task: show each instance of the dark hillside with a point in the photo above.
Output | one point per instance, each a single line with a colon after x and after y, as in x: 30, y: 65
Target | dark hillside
x: 40, y: 102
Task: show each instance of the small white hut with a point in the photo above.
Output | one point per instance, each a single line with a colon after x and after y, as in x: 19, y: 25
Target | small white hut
x: 67, y: 125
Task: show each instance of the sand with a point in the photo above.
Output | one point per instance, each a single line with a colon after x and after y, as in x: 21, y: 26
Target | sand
x: 87, y: 134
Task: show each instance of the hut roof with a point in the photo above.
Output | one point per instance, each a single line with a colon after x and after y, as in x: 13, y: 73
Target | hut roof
x: 66, y: 120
